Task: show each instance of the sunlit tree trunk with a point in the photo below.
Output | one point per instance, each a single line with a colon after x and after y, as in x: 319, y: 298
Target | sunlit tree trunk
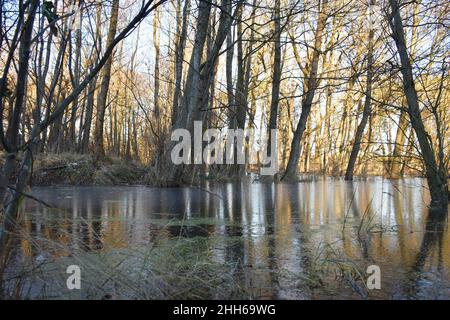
x: 179, y: 57
x: 231, y: 110
x: 310, y: 89
x: 436, y: 177
x: 367, y: 107
x: 104, y: 86
x: 397, y: 156
x: 398, y: 160
x: 71, y: 140
x: 199, y: 77
x: 156, y: 26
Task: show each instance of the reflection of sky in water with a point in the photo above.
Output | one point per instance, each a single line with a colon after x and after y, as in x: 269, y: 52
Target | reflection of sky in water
x: 278, y: 228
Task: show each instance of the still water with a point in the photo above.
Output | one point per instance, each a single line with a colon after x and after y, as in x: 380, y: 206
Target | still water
x: 307, y: 240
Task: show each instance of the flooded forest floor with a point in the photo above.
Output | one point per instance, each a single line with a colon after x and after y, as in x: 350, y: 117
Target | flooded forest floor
x: 306, y: 240
x: 310, y: 239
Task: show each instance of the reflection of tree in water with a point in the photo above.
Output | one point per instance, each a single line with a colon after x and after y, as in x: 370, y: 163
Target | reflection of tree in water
x: 269, y: 211
x: 362, y: 239
x: 306, y: 254
x: 234, y: 249
x: 267, y: 235
x: 432, y: 243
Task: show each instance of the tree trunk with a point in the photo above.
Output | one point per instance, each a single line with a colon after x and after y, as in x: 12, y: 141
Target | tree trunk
x: 179, y: 59
x: 199, y: 78
x: 396, y: 162
x: 12, y: 135
x: 367, y: 107
x: 13, y: 132
x: 104, y: 86
x: 276, y: 78
x: 156, y: 25
x: 92, y: 85
x: 307, y: 101
x: 71, y: 141
x: 241, y: 91
x: 437, y: 179
x: 231, y: 111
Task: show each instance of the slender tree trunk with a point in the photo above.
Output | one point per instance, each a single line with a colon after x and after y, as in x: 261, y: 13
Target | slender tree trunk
x: 276, y: 77
x: 437, y: 179
x: 367, y: 107
x: 88, y: 120
x: 241, y: 90
x: 231, y: 111
x: 156, y: 26
x: 92, y: 85
x: 76, y: 81
x: 12, y: 135
x: 307, y: 101
x: 104, y: 86
x: 396, y: 162
x: 199, y: 77
x: 179, y: 59
x: 13, y: 132
x: 186, y: 117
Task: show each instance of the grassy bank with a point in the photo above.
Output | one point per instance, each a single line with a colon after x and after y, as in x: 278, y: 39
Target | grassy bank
x: 78, y: 169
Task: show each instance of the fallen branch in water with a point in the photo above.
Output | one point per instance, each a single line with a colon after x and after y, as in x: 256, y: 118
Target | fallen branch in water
x: 26, y: 195
x: 207, y: 191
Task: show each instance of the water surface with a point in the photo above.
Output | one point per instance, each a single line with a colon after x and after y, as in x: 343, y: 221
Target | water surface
x: 307, y: 240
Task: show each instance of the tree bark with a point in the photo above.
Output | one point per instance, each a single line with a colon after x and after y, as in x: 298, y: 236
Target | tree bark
x: 437, y: 178
x: 104, y: 86
x: 195, y: 99
x: 92, y: 84
x: 13, y: 132
x: 276, y: 77
x: 307, y: 101
x: 367, y: 107
x: 179, y: 59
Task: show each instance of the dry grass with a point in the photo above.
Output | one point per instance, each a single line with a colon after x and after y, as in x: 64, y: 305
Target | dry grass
x: 179, y: 268
x: 76, y: 169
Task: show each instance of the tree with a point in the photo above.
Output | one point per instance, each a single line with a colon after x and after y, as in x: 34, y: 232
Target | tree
x: 11, y: 143
x: 436, y: 175
x: 198, y: 78
x: 367, y: 105
x: 276, y: 78
x: 309, y: 92
x: 179, y: 58
x: 104, y: 86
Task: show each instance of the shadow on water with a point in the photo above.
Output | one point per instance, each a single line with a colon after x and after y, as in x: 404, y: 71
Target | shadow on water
x: 278, y: 240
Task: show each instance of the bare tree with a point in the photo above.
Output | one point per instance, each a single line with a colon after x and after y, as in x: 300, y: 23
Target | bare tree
x: 104, y: 86
x: 367, y: 105
x: 309, y: 89
x: 11, y: 142
x: 436, y: 175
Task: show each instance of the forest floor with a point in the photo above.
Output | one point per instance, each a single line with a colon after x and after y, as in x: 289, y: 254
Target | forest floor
x: 77, y: 169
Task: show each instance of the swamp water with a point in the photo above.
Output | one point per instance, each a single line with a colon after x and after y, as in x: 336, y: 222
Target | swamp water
x: 306, y: 240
